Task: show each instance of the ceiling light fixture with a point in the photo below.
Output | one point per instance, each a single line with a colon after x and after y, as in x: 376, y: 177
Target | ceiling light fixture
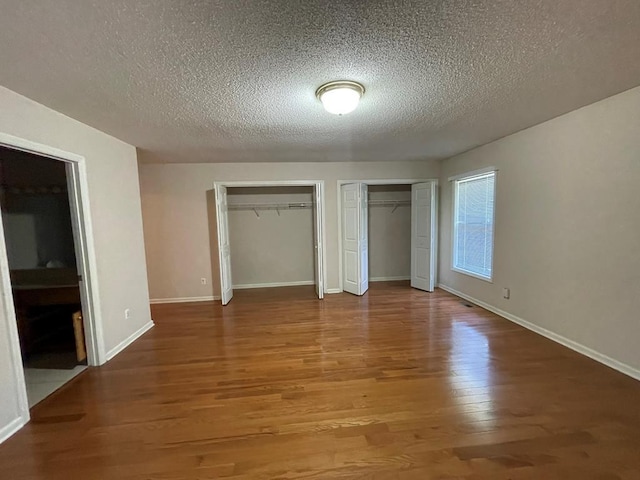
x: 340, y: 97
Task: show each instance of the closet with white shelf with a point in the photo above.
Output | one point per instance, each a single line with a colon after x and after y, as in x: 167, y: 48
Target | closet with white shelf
x: 388, y: 232
x: 271, y: 236
x: 268, y: 236
x: 389, y: 225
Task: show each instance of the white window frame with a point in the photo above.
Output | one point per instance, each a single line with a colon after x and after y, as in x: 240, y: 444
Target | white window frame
x: 465, y: 177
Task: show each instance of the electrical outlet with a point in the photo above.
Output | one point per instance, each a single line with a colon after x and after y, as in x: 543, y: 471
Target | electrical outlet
x: 127, y: 313
x: 203, y: 281
x: 506, y: 293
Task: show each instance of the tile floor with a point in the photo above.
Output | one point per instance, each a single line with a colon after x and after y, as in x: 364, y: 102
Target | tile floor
x: 43, y: 382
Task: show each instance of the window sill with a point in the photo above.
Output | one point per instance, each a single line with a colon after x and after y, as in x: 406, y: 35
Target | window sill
x: 474, y: 275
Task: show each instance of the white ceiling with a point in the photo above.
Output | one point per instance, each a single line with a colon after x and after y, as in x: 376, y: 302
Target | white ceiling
x: 230, y: 81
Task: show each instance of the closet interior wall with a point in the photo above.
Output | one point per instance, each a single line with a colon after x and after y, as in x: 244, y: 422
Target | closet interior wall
x: 389, y: 233
x: 271, y: 247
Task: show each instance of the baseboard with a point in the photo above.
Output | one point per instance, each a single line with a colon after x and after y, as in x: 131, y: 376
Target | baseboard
x: 183, y: 299
x: 129, y: 340
x: 331, y: 291
x: 388, y: 279
x: 575, y: 346
x: 271, y: 285
x: 12, y: 427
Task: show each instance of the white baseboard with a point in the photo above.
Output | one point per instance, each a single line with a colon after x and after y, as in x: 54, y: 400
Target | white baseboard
x: 331, y: 291
x: 575, y: 346
x: 388, y: 279
x: 129, y: 340
x: 271, y: 285
x: 12, y: 427
x: 183, y: 299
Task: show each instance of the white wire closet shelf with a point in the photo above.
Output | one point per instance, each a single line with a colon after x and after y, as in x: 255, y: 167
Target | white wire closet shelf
x: 390, y: 203
x: 255, y: 207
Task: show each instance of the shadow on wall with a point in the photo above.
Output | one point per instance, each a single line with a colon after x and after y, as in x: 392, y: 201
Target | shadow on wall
x: 35, y: 211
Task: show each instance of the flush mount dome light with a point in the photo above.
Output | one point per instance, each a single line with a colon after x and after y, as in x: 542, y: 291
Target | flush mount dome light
x: 340, y: 97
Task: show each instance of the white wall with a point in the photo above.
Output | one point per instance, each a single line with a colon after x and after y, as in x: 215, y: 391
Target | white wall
x: 115, y: 210
x: 389, y: 233
x: 271, y: 248
x: 174, y: 208
x: 567, y: 227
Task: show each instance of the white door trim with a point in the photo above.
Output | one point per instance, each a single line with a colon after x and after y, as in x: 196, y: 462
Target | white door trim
x: 79, y: 204
x: 320, y: 209
x: 318, y: 240
x: 377, y: 181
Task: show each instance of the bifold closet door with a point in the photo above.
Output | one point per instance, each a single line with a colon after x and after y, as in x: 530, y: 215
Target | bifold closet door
x: 317, y: 240
x: 224, y: 249
x: 423, y: 236
x: 355, y: 238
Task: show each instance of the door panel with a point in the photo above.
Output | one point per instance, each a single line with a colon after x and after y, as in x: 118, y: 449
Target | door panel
x: 422, y: 236
x: 355, y: 265
x: 351, y: 268
x: 224, y: 249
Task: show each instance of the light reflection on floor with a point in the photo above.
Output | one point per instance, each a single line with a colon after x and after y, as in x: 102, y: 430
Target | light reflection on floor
x: 471, y: 372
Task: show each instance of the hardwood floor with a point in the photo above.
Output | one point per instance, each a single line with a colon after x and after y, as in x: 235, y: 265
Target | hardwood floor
x: 398, y: 384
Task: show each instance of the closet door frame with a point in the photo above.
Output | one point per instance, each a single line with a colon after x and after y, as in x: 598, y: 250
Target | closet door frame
x: 318, y: 185
x: 381, y: 181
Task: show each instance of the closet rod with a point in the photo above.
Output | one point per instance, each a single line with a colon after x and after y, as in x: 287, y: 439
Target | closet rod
x: 270, y: 206
x: 390, y: 203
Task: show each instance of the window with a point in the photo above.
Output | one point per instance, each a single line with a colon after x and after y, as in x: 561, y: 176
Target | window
x: 474, y: 198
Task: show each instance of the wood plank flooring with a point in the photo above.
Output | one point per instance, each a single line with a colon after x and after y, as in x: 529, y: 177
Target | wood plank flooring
x: 398, y: 384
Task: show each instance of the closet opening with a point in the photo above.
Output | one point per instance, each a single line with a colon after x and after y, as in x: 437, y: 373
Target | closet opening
x: 269, y: 235
x: 387, y: 233
x: 389, y: 229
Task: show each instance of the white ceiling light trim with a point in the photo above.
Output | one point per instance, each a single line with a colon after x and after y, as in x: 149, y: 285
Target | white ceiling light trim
x: 340, y: 97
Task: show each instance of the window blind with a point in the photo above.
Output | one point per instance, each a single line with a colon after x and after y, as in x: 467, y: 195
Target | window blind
x: 473, y: 224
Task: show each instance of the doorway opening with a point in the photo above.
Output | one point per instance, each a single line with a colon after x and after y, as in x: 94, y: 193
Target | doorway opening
x: 268, y: 234
x: 39, y: 238
x: 387, y: 233
x: 271, y: 236
x: 45, y: 273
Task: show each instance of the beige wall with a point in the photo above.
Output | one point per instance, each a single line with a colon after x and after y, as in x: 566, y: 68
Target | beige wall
x: 174, y: 206
x: 271, y: 248
x: 567, y: 226
x: 389, y: 233
x: 117, y: 225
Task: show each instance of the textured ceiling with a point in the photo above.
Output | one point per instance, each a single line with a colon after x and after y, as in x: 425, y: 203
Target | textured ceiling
x: 228, y: 81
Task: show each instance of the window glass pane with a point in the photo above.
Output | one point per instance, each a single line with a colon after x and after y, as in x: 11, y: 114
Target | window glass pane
x: 473, y: 227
